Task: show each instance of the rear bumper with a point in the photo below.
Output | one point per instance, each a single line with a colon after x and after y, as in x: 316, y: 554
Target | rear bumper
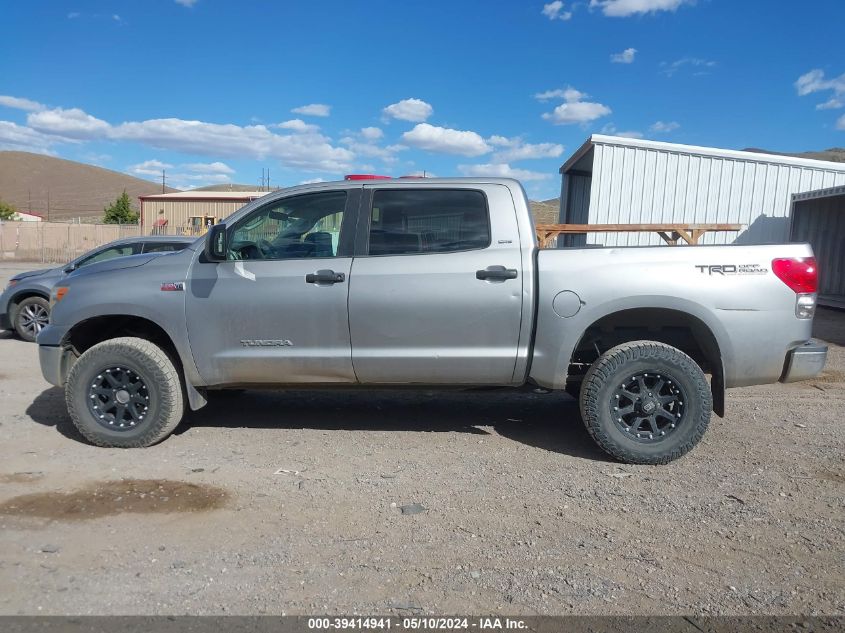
x: 55, y: 363
x: 804, y: 362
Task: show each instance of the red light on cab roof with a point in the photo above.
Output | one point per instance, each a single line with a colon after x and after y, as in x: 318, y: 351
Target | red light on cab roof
x: 365, y: 177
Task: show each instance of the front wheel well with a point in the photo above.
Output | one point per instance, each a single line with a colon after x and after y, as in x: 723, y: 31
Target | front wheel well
x: 26, y: 294
x: 86, y: 334
x: 672, y: 327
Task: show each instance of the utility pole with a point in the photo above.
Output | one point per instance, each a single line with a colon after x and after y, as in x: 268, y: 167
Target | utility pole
x: 162, y: 181
x: 268, y: 179
x: 29, y: 200
x: 48, y: 205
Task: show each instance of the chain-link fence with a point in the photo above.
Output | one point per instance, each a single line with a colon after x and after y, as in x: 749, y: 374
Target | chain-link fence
x: 58, y: 242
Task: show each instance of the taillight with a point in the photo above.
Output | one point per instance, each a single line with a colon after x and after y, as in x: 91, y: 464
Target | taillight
x: 799, y: 273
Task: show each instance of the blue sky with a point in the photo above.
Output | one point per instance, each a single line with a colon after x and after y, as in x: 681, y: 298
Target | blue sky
x: 214, y: 91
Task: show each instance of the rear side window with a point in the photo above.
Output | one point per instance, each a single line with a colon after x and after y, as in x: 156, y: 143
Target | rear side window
x: 409, y: 221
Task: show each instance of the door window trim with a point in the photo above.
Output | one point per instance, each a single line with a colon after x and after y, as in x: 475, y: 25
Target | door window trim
x: 365, y: 215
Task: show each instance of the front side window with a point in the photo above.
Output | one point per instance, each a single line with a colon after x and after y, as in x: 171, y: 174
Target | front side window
x: 109, y: 253
x: 419, y: 221
x: 298, y: 227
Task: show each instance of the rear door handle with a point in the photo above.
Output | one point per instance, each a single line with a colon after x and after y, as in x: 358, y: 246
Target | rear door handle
x: 496, y: 273
x: 325, y: 277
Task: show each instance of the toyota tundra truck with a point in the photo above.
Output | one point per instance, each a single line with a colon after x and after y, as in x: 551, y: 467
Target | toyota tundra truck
x: 434, y: 283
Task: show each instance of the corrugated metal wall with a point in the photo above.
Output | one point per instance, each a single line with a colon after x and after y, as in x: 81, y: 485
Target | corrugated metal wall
x: 821, y: 222
x: 576, y: 189
x: 641, y: 185
x: 177, y: 212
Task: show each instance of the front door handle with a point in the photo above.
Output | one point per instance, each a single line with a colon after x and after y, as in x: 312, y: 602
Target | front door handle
x: 496, y: 273
x: 325, y: 277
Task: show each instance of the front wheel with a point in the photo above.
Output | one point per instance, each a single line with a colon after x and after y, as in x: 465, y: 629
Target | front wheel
x: 646, y: 402
x: 31, y: 316
x: 125, y: 393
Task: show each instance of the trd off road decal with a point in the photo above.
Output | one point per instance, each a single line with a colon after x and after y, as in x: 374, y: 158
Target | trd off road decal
x: 731, y: 269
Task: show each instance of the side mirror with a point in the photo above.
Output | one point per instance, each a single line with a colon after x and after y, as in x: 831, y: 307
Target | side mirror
x: 69, y: 269
x: 216, y: 245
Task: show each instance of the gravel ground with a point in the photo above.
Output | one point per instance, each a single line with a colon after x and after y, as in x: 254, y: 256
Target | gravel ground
x: 421, y: 503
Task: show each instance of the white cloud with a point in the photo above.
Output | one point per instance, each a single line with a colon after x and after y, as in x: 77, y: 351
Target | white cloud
x: 567, y: 94
x: 313, y: 109
x: 151, y: 167
x: 814, y: 81
x: 73, y: 15
x: 445, y: 140
x: 186, y: 3
x: 501, y: 170
x: 371, y: 133
x: 831, y: 104
x: 363, y: 143
x: 72, y: 123
x: 414, y: 110
x: 209, y: 168
x: 610, y: 128
x: 297, y: 125
x: 625, y: 8
x: 625, y: 57
x: 21, y: 104
x: 554, y: 11
x: 514, y: 149
x: 840, y: 123
x: 670, y: 68
x: 23, y: 139
x: 574, y: 110
x: 664, y: 126
x: 307, y: 149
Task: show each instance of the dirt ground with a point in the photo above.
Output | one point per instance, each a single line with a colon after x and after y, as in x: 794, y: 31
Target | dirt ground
x: 304, y: 502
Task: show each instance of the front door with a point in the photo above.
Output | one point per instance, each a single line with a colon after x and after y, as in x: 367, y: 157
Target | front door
x: 276, y: 310
x: 437, y: 289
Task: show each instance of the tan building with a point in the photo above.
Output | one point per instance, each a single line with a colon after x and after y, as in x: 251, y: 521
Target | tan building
x: 191, y: 211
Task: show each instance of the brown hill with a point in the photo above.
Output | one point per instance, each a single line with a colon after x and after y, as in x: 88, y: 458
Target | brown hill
x: 229, y: 186
x: 72, y: 190
x: 545, y: 211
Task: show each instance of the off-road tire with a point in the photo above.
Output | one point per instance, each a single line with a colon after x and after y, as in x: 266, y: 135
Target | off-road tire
x: 17, y: 322
x: 620, y: 363
x: 153, y: 366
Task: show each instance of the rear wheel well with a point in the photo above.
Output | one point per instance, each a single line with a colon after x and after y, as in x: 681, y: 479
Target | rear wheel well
x: 672, y: 327
x: 86, y: 334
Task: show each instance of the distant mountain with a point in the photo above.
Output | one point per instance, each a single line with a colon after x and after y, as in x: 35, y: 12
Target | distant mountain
x: 546, y: 211
x: 230, y: 187
x: 834, y: 154
x: 72, y: 190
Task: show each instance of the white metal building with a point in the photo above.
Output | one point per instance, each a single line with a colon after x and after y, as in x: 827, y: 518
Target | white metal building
x: 612, y: 180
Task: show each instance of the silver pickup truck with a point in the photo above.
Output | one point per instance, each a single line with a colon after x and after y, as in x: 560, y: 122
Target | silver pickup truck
x: 434, y: 283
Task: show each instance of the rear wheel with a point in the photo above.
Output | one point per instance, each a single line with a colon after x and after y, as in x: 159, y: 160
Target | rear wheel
x: 125, y: 393
x: 646, y: 402
x: 31, y: 316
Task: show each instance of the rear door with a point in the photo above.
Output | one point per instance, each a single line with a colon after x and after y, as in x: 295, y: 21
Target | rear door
x: 276, y: 311
x: 436, y: 292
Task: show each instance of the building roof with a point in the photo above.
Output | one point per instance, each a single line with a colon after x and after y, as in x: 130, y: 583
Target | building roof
x: 695, y: 150
x: 224, y: 196
x: 829, y: 192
